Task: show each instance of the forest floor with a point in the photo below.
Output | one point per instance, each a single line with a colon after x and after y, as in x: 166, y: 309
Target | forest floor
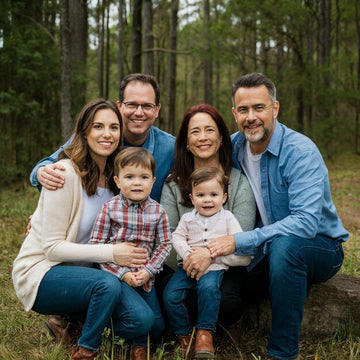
x: 23, y: 335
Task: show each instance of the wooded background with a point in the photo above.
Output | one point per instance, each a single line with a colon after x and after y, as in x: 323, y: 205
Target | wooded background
x: 55, y: 55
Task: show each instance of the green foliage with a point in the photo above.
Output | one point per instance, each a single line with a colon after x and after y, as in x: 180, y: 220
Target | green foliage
x: 29, y: 102
x: 319, y: 96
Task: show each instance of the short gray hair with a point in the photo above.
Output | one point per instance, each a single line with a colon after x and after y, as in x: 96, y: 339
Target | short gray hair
x: 254, y: 80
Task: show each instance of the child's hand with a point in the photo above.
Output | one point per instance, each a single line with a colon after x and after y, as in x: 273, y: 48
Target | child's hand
x: 130, y: 279
x: 142, y: 277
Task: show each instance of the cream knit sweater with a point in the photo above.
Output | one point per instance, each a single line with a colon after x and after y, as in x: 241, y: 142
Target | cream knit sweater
x: 52, y: 237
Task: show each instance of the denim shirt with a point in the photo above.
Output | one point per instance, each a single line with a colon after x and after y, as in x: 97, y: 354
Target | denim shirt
x: 159, y: 143
x: 295, y: 188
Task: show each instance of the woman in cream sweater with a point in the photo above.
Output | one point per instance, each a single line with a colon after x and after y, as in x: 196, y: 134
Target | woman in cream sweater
x: 53, y: 272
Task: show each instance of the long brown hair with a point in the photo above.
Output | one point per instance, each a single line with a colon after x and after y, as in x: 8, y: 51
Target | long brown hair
x: 78, y: 149
x: 184, y: 160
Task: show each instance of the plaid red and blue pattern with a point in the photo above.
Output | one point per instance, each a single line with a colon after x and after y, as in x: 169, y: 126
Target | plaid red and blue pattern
x: 144, y: 224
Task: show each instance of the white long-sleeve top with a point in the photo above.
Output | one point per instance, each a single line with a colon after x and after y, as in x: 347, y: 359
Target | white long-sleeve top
x: 195, y: 230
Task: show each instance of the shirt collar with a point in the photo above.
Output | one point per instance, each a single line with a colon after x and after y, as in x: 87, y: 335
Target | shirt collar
x: 275, y: 141
x: 128, y: 203
x: 205, y: 218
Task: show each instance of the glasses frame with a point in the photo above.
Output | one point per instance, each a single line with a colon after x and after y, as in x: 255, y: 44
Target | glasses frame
x: 131, y: 105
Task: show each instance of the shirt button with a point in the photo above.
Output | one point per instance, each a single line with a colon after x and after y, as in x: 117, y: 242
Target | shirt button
x: 205, y: 229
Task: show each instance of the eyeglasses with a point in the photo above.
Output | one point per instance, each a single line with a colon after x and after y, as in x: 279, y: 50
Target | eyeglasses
x: 257, y: 109
x: 144, y: 107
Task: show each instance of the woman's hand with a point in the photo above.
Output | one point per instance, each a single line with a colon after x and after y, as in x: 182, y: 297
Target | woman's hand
x: 127, y: 254
x: 197, y: 262
x: 224, y: 245
x: 50, y: 177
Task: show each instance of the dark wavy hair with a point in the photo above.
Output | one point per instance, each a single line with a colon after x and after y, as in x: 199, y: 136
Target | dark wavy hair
x: 184, y: 160
x: 78, y: 149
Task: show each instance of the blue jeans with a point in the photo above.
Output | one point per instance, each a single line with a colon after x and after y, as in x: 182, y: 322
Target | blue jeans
x: 294, y: 264
x: 94, y: 296
x: 152, y: 301
x: 208, y: 294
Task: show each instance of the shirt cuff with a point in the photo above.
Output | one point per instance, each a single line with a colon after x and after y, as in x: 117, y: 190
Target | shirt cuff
x: 244, y: 243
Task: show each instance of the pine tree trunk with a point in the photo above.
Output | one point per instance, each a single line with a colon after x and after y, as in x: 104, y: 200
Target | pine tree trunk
x: 148, y: 38
x: 136, y: 37
x: 65, y: 64
x: 172, y: 65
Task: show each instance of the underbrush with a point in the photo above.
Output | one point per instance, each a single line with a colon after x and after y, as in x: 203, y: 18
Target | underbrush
x: 23, y: 335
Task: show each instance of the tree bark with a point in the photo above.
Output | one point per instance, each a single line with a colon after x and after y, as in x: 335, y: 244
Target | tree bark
x: 120, y: 53
x: 357, y: 105
x: 100, y: 52
x: 207, y: 55
x: 310, y: 62
x: 148, y: 38
x: 328, y: 305
x: 65, y: 63
x: 136, y: 37
x: 78, y: 52
x: 172, y: 65
x: 107, y: 53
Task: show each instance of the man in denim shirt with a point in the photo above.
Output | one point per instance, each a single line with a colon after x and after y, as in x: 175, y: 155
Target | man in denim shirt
x: 139, y: 105
x: 300, y: 233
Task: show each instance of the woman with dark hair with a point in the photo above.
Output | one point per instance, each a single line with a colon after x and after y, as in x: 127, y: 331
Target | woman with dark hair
x: 54, y: 272
x: 203, y: 140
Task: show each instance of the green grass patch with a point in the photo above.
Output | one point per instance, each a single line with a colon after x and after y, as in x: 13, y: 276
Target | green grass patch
x: 23, y: 335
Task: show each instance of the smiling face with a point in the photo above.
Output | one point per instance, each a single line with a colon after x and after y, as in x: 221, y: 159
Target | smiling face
x: 135, y: 182
x: 208, y: 197
x: 137, y: 122
x: 255, y: 116
x: 203, y: 138
x: 104, y: 135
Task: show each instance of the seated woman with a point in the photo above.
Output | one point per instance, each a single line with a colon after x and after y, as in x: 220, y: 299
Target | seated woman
x: 53, y: 272
x: 203, y: 140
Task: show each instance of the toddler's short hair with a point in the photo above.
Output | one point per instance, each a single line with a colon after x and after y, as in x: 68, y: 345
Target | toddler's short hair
x: 203, y: 174
x: 134, y: 156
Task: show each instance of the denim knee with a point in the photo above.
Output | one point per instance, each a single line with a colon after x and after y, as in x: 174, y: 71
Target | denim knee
x: 110, y: 286
x: 170, y: 297
x: 283, y: 254
x: 145, y: 320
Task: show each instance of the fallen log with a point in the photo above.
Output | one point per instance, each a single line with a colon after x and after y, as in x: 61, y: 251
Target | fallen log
x: 328, y: 307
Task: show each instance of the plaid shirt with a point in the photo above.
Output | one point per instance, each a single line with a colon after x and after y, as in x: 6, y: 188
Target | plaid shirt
x: 145, y: 224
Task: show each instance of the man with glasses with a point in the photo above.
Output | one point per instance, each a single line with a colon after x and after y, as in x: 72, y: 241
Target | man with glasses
x: 139, y: 105
x: 299, y: 237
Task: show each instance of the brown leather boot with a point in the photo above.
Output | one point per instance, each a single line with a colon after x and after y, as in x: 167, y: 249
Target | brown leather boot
x: 204, y: 348
x: 185, y: 344
x: 138, y: 353
x: 58, y: 327
x: 81, y: 353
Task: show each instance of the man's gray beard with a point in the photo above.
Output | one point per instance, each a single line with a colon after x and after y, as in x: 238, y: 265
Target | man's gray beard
x: 265, y: 136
